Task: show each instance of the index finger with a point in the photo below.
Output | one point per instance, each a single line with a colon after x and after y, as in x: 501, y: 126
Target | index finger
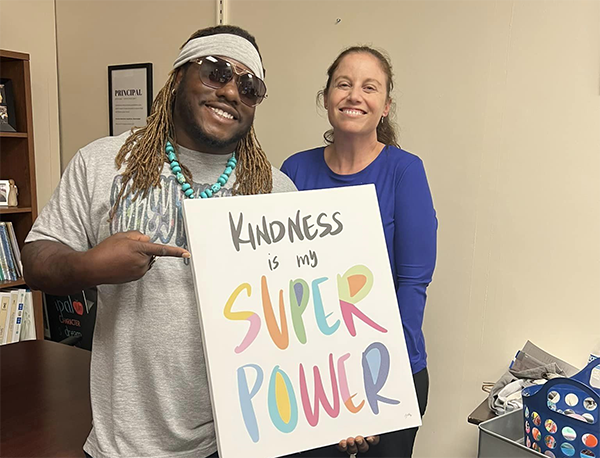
x: 156, y: 249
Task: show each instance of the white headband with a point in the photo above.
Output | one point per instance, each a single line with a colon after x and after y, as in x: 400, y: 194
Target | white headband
x: 222, y: 44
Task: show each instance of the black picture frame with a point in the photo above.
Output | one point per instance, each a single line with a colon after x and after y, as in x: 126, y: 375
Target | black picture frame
x: 113, y: 71
x: 8, y: 119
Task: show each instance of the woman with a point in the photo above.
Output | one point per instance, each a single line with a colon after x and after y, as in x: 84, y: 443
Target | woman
x: 362, y: 148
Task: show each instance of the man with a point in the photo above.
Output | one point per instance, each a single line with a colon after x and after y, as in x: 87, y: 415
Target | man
x: 115, y: 222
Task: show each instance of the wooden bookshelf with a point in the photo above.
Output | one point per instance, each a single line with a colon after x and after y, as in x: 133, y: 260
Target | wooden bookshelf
x: 12, y: 284
x: 13, y: 134
x: 11, y: 210
x: 17, y: 161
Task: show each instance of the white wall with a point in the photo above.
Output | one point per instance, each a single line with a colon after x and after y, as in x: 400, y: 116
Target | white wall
x: 28, y: 26
x: 94, y: 34
x: 501, y: 100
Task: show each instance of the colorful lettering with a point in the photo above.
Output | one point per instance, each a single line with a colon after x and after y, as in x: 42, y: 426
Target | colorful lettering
x: 283, y: 408
x: 299, y: 294
x: 376, y: 368
x: 344, y: 390
x: 312, y: 415
x: 319, y: 310
x: 251, y: 317
x: 353, y: 287
x: 246, y: 396
x: 281, y: 336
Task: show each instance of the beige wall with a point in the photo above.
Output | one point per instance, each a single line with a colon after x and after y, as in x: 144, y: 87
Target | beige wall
x: 501, y: 100
x: 28, y: 26
x: 94, y: 34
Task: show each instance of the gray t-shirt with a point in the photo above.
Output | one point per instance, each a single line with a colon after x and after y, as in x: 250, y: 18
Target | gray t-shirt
x: 149, y: 389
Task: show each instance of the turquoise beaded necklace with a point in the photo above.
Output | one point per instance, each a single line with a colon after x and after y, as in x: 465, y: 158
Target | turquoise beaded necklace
x: 186, y: 187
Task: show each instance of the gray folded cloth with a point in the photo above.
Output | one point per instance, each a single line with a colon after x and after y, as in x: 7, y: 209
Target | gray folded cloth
x: 525, y: 371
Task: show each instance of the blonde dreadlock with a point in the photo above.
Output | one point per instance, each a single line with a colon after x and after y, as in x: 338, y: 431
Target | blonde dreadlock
x: 144, y: 150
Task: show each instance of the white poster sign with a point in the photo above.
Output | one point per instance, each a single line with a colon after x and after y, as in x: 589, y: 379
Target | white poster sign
x: 302, y: 333
x: 130, y: 96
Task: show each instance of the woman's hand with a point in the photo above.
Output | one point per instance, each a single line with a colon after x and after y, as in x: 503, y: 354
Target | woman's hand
x: 358, y: 444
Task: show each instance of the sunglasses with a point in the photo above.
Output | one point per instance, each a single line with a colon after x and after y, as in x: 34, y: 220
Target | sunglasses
x: 215, y: 73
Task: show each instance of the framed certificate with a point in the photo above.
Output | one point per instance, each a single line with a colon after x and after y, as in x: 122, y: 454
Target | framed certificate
x: 129, y: 96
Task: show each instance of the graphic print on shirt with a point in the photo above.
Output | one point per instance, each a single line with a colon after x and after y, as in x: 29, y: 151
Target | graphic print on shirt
x: 159, y: 214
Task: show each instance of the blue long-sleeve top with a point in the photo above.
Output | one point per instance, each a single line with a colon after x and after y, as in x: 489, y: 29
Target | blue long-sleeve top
x: 409, y: 223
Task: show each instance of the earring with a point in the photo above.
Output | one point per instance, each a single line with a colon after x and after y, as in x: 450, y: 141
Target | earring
x: 382, y: 118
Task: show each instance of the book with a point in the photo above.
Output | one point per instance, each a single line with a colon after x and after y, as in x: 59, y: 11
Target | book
x: 46, y: 319
x: 8, y: 252
x: 12, y: 314
x: 3, y: 265
x: 16, y: 336
x: 15, y: 247
x: 28, y: 331
x: 73, y: 315
x: 4, y: 305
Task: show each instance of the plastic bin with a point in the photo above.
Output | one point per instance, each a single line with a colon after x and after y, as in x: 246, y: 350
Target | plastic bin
x: 502, y: 437
x: 561, y: 417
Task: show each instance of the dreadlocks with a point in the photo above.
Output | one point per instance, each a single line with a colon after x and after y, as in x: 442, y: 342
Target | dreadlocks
x: 144, y: 150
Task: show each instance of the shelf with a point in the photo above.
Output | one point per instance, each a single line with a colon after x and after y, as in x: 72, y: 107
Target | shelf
x: 10, y: 210
x: 13, y: 135
x: 12, y: 284
x: 17, y: 162
x: 13, y: 55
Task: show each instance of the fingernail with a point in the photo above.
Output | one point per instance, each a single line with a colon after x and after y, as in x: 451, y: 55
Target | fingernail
x: 369, y: 439
x: 186, y: 255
